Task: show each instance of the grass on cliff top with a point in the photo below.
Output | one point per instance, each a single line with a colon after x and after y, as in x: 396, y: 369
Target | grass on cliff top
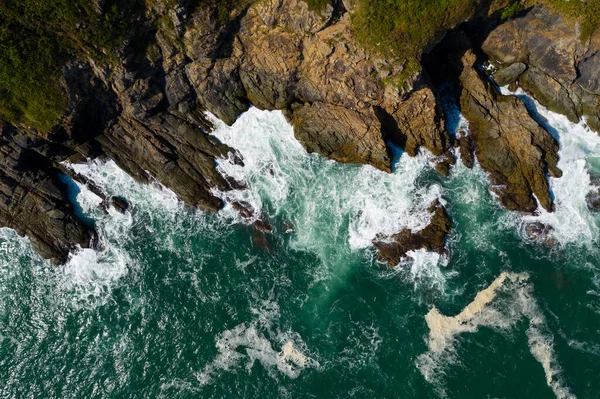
x: 587, y: 12
x: 36, y: 37
x: 403, y: 28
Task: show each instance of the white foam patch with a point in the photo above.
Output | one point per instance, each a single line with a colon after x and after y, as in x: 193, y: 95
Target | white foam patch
x: 247, y: 343
x: 490, y: 310
x: 425, y: 268
x: 92, y: 274
x: 579, y: 153
x: 331, y: 205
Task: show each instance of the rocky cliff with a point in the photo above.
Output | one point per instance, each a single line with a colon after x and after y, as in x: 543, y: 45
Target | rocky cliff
x: 147, y: 111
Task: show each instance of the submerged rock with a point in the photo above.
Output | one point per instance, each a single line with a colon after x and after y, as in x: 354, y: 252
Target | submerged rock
x: 391, y: 250
x: 540, y: 232
x: 243, y: 208
x: 592, y: 200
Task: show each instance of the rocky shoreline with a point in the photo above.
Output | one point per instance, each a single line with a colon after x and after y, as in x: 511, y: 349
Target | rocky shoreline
x: 147, y: 113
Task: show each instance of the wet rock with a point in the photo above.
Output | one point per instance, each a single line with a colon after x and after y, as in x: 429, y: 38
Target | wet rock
x: 244, y: 209
x: 288, y: 228
x: 592, y: 200
x: 540, y: 232
x: 443, y: 163
x: 467, y: 155
x: 391, y: 250
x: 509, y: 74
x: 34, y: 201
x: 119, y: 203
x: 508, y: 142
x: 263, y: 226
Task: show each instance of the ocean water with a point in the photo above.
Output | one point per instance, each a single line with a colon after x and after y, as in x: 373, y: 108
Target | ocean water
x: 178, y: 303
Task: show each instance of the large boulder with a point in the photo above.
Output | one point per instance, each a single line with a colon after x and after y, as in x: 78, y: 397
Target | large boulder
x: 391, y: 250
x: 563, y: 71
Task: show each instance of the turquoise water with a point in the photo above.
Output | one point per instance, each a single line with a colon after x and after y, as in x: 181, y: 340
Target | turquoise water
x: 183, y: 304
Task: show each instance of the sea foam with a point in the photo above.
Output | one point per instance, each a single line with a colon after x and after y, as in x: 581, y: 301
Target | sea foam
x: 330, y: 204
x: 489, y: 310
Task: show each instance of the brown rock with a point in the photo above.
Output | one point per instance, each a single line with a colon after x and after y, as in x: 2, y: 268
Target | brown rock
x: 509, y: 144
x: 243, y: 208
x: 563, y: 71
x: 391, y: 250
x: 342, y: 134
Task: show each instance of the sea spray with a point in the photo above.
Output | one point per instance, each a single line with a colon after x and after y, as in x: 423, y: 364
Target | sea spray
x: 572, y: 221
x: 332, y: 206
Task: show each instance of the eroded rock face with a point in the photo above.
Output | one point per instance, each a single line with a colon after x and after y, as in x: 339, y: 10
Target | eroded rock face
x: 34, y: 201
x: 391, y: 250
x: 508, y: 142
x: 562, y: 72
x: 147, y: 112
x: 285, y: 56
x: 324, y: 129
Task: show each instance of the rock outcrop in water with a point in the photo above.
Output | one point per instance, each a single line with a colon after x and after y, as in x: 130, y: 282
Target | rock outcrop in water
x: 509, y: 144
x: 147, y: 111
x: 391, y: 250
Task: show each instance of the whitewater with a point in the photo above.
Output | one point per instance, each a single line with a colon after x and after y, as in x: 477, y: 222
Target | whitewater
x: 177, y: 302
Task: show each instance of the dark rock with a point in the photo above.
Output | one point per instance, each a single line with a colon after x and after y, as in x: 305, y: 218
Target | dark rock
x: 391, y: 250
x: 263, y: 226
x: 540, y: 232
x: 244, y: 209
x: 592, y: 200
x: 260, y: 240
x: 119, y: 203
x: 467, y: 156
x: 35, y: 202
x: 443, y: 163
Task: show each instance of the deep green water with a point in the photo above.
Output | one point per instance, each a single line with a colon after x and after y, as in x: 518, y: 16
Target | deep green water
x: 182, y: 304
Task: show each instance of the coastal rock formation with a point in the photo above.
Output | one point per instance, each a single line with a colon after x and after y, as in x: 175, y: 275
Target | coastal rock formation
x: 509, y: 144
x: 391, y: 250
x: 34, y: 201
x: 561, y: 69
x: 146, y: 109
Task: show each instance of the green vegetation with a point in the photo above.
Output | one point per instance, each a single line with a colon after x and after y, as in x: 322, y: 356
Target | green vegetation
x: 587, y: 12
x: 402, y: 28
x: 317, y: 5
x: 36, y: 37
x: 511, y: 10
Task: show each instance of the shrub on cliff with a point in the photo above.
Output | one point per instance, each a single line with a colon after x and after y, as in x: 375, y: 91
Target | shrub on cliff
x: 403, y: 28
x: 37, y: 36
x: 587, y: 12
